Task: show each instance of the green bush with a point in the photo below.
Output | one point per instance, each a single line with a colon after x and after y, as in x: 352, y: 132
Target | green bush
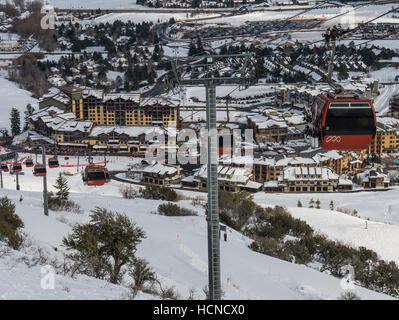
x: 57, y: 203
x: 236, y: 208
x: 159, y: 193
x: 10, y: 223
x: 170, y: 209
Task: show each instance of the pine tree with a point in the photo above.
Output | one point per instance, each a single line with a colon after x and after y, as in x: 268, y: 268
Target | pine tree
x: 299, y: 205
x: 311, y: 203
x: 61, y: 185
x: 332, y: 205
x: 15, y: 122
x: 28, y: 112
x: 318, y: 204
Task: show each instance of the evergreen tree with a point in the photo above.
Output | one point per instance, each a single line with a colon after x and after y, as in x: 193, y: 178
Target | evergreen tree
x: 61, y: 185
x: 103, y: 247
x: 15, y: 122
x: 299, y: 204
x: 318, y: 204
x: 28, y: 112
x: 332, y: 205
x: 311, y: 203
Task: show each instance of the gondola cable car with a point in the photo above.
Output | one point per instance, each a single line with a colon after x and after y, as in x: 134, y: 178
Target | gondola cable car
x: 29, y: 163
x: 16, y: 167
x: 95, y: 175
x: 39, y: 170
x: 53, y: 162
x: 340, y: 120
x: 4, y: 167
x: 343, y: 121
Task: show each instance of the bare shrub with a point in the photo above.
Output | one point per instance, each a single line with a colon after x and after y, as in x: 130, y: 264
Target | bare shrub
x: 128, y: 192
x: 348, y: 211
x: 191, y: 294
x: 349, y: 295
x: 168, y: 293
x: 197, y: 201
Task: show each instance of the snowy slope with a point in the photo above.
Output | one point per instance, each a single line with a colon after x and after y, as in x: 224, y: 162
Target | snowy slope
x: 176, y: 249
x: 378, y: 236
x: 18, y: 282
x: 368, y: 204
x: 12, y: 97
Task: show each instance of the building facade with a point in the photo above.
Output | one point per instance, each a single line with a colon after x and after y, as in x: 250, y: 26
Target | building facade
x: 114, y: 109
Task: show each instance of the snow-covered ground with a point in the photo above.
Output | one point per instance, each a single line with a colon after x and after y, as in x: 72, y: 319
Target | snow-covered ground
x: 138, y: 17
x: 12, y: 97
x: 372, y: 205
x: 388, y: 74
x: 28, y: 182
x: 91, y: 4
x: 381, y: 237
x: 19, y: 282
x: 360, y: 15
x: 176, y: 248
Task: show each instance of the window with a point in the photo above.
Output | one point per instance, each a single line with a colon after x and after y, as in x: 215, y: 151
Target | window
x: 341, y: 118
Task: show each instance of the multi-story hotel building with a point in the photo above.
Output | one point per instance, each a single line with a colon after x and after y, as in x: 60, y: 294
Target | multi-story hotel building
x: 114, y: 109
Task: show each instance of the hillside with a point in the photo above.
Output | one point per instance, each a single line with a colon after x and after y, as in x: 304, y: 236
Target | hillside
x: 177, y: 250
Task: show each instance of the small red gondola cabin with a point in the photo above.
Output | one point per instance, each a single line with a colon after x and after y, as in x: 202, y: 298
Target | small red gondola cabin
x: 343, y: 122
x: 53, y: 162
x: 39, y: 170
x: 96, y: 175
x: 17, y: 167
x: 4, y: 167
x: 29, y: 163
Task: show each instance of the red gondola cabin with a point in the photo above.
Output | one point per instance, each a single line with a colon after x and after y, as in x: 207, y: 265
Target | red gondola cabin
x: 17, y: 167
x: 343, y: 122
x: 29, y: 163
x: 53, y: 162
x: 96, y: 175
x: 4, y: 167
x: 39, y: 170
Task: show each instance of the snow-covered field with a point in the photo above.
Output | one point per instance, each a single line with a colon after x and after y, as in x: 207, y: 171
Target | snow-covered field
x: 368, y: 204
x: 362, y: 14
x: 28, y: 182
x: 138, y: 17
x: 91, y: 4
x: 12, y: 97
x: 176, y: 248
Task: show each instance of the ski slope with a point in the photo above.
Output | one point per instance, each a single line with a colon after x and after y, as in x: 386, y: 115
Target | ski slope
x: 13, y: 97
x: 176, y: 248
x: 381, y: 237
x: 369, y: 205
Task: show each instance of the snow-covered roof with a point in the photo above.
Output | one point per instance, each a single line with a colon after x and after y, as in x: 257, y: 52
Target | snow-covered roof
x: 307, y: 173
